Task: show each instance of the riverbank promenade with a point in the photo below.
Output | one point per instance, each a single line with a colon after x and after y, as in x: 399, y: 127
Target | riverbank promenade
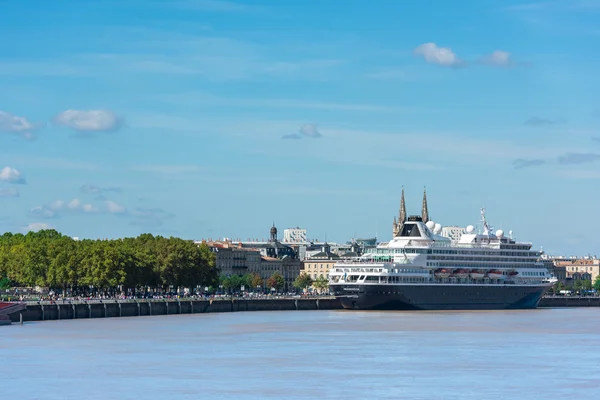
x: 80, y: 309
x: 58, y: 310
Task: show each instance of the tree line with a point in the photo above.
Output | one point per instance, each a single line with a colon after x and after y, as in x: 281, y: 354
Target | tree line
x: 250, y: 282
x: 52, y: 260
x: 578, y: 285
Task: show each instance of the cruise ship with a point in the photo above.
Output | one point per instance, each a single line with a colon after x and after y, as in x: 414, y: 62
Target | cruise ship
x: 419, y: 269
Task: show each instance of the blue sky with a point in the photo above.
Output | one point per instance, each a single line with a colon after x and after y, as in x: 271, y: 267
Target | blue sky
x: 208, y: 118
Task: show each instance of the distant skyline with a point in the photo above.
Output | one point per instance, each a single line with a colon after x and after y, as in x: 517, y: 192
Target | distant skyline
x: 211, y: 118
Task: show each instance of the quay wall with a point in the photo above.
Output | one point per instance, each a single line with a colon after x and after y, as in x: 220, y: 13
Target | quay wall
x: 570, y: 301
x: 131, y: 308
x: 44, y: 311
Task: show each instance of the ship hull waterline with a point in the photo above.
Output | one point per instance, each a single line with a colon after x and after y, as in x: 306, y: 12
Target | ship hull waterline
x: 439, y: 297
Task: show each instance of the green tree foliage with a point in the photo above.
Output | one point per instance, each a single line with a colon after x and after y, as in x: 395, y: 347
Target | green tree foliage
x: 49, y: 259
x: 303, y: 281
x: 597, y: 283
x: 4, y: 283
x: 321, y: 284
x: 276, y: 281
x: 257, y: 281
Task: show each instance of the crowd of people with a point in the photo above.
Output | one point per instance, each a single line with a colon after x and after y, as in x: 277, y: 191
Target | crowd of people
x: 52, y: 297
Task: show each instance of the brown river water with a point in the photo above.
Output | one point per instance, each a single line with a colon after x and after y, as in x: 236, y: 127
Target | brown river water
x: 531, y: 354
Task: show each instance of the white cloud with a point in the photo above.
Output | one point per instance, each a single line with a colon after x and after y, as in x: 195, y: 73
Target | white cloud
x: 88, y: 208
x: 57, y: 205
x: 42, y: 212
x: 114, y: 208
x: 38, y: 226
x: 9, y: 192
x: 10, y: 123
x: 89, y: 120
x: 11, y: 175
x: 310, y: 130
x: 437, y: 55
x: 74, y: 205
x: 498, y: 58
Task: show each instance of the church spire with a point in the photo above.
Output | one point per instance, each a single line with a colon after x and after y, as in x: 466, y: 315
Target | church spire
x: 424, y: 212
x: 402, y: 218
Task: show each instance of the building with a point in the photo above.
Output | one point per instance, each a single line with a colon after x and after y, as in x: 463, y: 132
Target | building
x: 587, y: 268
x: 294, y: 236
x: 262, y: 258
x: 319, y: 264
x: 273, y: 248
x: 453, y: 232
x: 287, y: 267
x: 232, y: 259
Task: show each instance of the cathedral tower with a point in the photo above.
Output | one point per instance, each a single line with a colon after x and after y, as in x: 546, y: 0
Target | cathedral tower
x: 424, y: 212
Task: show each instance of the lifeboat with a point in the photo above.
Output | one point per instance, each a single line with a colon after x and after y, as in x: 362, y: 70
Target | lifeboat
x: 442, y: 273
x: 495, y: 274
x: 477, y: 274
x: 461, y: 273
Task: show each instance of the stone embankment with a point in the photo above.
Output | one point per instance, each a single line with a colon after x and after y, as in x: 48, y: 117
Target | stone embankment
x: 570, y: 301
x: 47, y: 311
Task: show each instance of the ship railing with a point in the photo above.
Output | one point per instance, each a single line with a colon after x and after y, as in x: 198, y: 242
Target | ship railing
x: 449, y: 281
x: 432, y: 245
x: 361, y: 261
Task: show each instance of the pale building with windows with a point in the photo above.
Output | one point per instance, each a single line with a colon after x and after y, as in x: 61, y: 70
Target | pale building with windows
x: 453, y: 232
x: 294, y: 235
x: 319, y: 264
x: 581, y: 268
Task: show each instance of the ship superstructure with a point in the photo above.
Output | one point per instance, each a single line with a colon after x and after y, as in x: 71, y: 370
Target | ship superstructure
x: 420, y: 269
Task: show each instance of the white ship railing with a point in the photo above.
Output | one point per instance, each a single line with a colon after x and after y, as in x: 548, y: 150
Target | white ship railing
x: 484, y: 245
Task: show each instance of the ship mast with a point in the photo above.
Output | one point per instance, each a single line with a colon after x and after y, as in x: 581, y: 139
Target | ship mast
x: 486, y: 227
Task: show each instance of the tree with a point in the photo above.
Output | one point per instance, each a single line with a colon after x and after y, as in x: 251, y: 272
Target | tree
x: 321, y: 284
x: 276, y: 281
x: 586, y: 284
x: 303, y: 281
x: 247, y: 281
x: 577, y: 285
x: 4, y: 283
x: 597, y: 283
x: 49, y: 259
x: 257, y: 281
x: 558, y: 286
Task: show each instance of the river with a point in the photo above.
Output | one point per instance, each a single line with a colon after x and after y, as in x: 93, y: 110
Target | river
x: 532, y: 354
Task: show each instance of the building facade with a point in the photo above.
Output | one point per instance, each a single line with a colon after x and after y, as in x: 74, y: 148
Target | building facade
x: 294, y: 236
x: 319, y: 264
x: 453, y: 232
x: 261, y: 258
x: 578, y: 269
